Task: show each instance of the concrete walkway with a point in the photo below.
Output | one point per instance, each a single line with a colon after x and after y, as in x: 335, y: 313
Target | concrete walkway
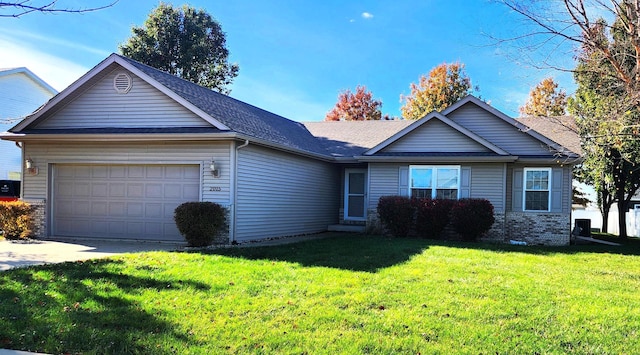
x: 18, y: 253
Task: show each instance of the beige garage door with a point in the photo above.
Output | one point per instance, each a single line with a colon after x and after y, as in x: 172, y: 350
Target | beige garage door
x: 121, y: 201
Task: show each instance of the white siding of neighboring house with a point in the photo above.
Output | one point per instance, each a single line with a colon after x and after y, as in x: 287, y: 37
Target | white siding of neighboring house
x: 143, y: 106
x: 486, y: 182
x: 281, y: 194
x: 497, y: 131
x: 37, y: 187
x: 19, y: 96
x: 435, y: 136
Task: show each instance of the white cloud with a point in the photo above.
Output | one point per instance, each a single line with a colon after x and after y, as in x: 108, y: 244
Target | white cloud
x: 28, y: 37
x: 367, y: 15
x: 56, y: 71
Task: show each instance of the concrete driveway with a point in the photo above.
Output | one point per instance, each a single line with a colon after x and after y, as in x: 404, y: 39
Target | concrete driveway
x: 18, y: 253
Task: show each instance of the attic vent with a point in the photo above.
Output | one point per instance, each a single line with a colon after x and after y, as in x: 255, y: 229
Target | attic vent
x: 122, y: 83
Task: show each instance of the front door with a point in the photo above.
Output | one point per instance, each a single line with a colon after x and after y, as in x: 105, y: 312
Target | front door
x: 355, y: 194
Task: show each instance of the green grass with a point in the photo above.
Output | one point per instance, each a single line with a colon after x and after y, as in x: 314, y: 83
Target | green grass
x: 345, y: 294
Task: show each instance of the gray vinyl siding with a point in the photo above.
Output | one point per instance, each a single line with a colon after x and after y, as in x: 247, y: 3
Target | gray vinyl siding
x: 486, y: 182
x: 280, y: 194
x: 36, y: 187
x: 383, y: 181
x: 143, y: 106
x: 497, y: 131
x: 435, y: 136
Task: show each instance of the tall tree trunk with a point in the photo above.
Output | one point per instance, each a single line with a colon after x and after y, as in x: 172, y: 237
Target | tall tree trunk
x: 622, y: 214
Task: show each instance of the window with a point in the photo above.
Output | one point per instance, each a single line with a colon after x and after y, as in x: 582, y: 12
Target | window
x: 441, y: 182
x: 537, y: 188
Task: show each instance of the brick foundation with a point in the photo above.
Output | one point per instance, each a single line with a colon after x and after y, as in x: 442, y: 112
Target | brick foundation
x: 532, y: 228
x: 538, y: 228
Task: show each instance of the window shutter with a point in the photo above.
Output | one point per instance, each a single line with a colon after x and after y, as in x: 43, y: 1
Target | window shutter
x: 403, y: 181
x: 465, y: 182
x: 516, y: 194
x: 557, y: 179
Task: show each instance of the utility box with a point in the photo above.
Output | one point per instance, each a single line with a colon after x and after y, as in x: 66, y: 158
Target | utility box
x: 585, y: 227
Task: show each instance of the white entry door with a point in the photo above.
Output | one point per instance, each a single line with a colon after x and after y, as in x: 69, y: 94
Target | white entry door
x: 355, y: 194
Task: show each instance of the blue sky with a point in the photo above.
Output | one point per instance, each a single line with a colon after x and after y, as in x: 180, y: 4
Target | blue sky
x: 296, y: 56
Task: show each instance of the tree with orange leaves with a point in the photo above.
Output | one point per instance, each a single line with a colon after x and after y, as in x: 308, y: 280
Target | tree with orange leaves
x: 446, y: 84
x: 358, y: 106
x: 545, y: 100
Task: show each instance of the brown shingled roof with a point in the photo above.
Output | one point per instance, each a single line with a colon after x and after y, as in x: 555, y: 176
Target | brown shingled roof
x: 560, y: 129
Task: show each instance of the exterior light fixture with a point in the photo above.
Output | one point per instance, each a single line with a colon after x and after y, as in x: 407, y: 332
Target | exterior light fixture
x: 215, y: 172
x: 30, y: 167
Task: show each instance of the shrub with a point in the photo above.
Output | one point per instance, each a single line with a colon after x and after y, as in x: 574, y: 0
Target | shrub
x: 396, y: 214
x: 432, y: 216
x: 16, y: 219
x: 200, y: 222
x: 472, y: 217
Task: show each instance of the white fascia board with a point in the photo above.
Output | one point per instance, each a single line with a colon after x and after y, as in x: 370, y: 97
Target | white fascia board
x: 116, y: 137
x: 436, y: 159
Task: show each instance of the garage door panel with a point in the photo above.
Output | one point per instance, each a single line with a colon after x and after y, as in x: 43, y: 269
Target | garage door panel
x: 81, y: 208
x: 117, y: 189
x: 81, y: 189
x: 191, y: 192
x: 153, y: 191
x: 99, y: 190
x: 99, y: 172
x: 135, y: 209
x: 121, y: 201
x: 135, y: 190
x: 154, y: 172
x: 99, y: 208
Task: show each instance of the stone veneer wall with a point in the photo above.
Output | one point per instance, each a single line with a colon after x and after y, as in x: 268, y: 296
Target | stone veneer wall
x: 538, y: 228
x: 39, y: 217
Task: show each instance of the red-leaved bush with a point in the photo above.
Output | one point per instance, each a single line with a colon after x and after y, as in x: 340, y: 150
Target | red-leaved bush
x: 396, y: 213
x: 432, y: 216
x: 472, y: 217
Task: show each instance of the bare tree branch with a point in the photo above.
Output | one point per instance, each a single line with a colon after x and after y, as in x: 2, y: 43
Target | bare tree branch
x: 24, y: 7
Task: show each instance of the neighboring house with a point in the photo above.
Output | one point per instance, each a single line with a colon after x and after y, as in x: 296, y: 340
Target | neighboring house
x: 21, y: 92
x: 113, y: 154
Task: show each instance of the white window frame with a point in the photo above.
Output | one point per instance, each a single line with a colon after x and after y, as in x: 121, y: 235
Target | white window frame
x: 434, y: 178
x: 524, y: 189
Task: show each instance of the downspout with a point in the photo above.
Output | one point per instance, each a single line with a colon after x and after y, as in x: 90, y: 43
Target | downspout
x: 235, y: 191
x: 20, y: 145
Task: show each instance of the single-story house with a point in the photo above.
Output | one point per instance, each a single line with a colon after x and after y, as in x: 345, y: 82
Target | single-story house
x: 112, y: 155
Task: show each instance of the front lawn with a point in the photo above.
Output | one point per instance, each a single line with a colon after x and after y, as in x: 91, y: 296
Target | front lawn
x: 345, y: 294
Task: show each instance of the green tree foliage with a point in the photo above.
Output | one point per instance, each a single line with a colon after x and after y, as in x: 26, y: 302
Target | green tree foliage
x: 358, y: 106
x: 445, y: 85
x: 545, y: 100
x: 607, y: 113
x: 185, y: 42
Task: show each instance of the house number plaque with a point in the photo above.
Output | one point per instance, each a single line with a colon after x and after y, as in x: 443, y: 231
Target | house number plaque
x: 215, y: 188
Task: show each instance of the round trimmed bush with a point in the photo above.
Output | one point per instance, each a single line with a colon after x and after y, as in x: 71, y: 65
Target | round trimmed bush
x: 200, y: 222
x: 472, y: 217
x: 432, y: 216
x: 396, y: 214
